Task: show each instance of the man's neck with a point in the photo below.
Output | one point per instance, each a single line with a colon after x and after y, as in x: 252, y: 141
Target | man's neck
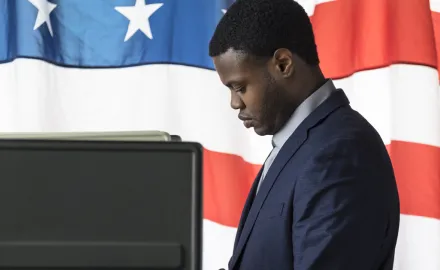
x: 314, y: 80
x: 309, y: 104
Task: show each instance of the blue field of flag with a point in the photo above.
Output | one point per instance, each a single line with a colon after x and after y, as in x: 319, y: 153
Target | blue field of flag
x: 109, y: 33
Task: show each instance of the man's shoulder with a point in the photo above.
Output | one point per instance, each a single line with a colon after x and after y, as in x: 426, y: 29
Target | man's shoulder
x: 344, y: 124
x: 344, y: 132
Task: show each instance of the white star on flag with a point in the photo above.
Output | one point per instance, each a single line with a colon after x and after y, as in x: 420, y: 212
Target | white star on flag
x: 309, y: 5
x: 44, y: 9
x: 138, y: 16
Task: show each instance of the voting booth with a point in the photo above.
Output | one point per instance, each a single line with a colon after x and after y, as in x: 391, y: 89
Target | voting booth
x: 111, y: 200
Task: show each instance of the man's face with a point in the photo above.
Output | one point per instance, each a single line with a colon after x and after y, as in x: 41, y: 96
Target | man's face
x: 255, y: 91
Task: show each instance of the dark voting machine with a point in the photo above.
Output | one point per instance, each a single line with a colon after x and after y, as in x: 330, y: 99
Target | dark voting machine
x: 78, y: 204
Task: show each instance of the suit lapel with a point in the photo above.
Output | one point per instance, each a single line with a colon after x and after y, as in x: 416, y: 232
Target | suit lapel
x: 278, y: 164
x: 291, y: 146
x: 247, y: 206
x: 245, y: 212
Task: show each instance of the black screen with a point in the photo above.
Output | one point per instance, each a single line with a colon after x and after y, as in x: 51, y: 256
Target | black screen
x: 94, y: 205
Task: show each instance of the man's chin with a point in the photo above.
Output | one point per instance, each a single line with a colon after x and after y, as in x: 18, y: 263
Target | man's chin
x: 260, y: 130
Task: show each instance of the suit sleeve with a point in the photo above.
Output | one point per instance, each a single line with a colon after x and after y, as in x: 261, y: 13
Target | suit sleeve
x: 339, y: 216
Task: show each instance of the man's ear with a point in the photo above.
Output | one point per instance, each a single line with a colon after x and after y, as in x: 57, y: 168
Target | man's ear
x: 284, y: 64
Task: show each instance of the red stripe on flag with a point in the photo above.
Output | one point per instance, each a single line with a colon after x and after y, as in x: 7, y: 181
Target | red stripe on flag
x: 228, y: 178
x: 227, y: 181
x: 417, y: 169
x: 436, y: 25
x: 366, y: 34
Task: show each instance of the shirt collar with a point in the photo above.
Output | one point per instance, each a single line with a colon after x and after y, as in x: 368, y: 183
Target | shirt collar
x: 301, y: 113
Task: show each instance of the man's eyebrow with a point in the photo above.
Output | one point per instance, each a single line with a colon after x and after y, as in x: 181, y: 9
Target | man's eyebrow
x: 231, y: 82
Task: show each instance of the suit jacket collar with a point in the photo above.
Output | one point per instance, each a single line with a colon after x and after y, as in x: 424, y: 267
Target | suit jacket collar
x: 252, y: 209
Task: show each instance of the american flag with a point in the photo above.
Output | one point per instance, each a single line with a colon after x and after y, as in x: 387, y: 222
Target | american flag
x: 101, y: 65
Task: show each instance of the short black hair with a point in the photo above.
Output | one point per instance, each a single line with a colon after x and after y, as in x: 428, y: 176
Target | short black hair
x: 260, y: 27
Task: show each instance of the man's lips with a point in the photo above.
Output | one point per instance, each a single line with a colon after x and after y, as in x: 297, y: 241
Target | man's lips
x: 248, y: 123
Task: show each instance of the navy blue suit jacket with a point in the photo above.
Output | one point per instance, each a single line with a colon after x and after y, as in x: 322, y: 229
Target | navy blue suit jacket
x: 328, y: 202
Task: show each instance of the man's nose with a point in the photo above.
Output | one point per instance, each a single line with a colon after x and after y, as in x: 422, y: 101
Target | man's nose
x: 236, y: 102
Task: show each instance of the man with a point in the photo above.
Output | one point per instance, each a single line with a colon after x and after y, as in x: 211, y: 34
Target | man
x: 326, y: 197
